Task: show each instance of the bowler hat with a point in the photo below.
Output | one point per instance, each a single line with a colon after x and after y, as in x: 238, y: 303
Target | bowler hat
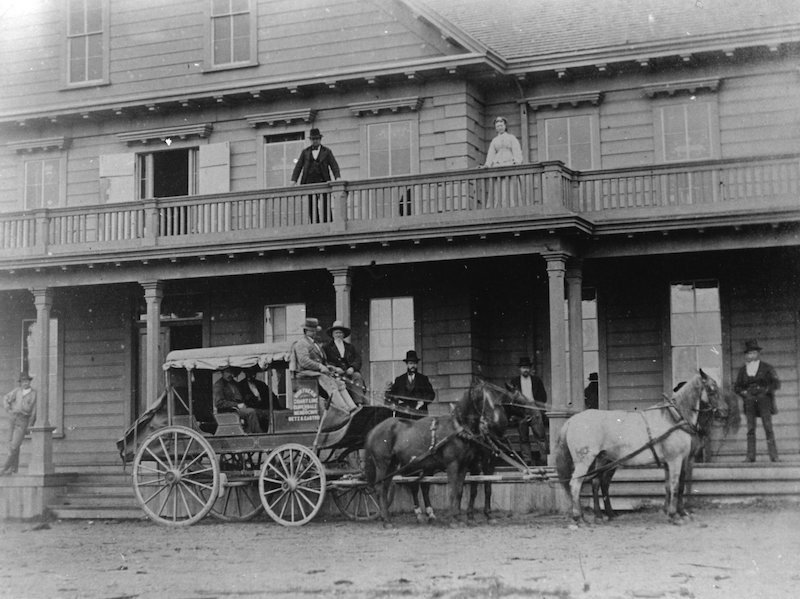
x: 338, y: 326
x: 411, y: 356
x: 24, y: 376
x: 593, y: 376
x: 524, y: 361
x: 751, y: 345
x: 314, y: 133
x: 311, y: 324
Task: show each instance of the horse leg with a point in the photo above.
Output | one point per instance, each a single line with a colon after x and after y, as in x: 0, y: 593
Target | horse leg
x: 456, y: 473
x: 575, y: 484
x: 473, y: 493
x: 672, y: 482
x: 605, y: 483
x: 598, y: 515
x: 488, y: 469
x: 426, y: 499
x: 414, y: 489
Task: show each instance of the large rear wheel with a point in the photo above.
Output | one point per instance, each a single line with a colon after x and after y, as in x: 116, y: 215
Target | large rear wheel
x: 176, y: 476
x: 292, y: 484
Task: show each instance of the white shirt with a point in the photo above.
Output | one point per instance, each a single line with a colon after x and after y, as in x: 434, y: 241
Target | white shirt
x: 315, y: 153
x: 752, y: 367
x: 526, y: 387
x: 340, y: 346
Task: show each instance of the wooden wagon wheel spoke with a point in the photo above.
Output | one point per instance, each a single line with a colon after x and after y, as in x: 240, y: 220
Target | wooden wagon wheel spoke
x: 359, y: 502
x: 156, y: 458
x: 292, y: 484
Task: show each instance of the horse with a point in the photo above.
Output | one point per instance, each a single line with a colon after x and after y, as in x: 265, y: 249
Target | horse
x: 432, y: 444
x: 705, y: 422
x: 614, y: 438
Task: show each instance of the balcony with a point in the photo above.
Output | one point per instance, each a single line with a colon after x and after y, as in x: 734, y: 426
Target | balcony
x: 544, y: 196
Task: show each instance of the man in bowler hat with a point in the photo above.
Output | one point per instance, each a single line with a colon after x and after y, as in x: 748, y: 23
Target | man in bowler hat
x: 532, y: 388
x: 756, y: 383
x: 317, y: 164
x: 20, y: 402
x: 412, y: 389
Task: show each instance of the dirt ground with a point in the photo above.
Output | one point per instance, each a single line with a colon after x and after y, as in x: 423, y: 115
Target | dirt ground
x: 744, y: 551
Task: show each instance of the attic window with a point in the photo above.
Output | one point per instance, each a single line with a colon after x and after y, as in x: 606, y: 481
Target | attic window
x: 689, y: 86
x: 412, y: 103
x: 537, y: 102
x: 39, y: 145
x: 202, y: 130
x: 272, y: 118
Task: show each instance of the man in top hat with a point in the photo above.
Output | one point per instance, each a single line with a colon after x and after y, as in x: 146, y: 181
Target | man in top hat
x: 532, y: 387
x: 591, y: 394
x: 756, y: 382
x: 412, y: 389
x: 20, y: 402
x: 343, y: 358
x: 308, y: 360
x: 317, y: 164
x: 228, y: 398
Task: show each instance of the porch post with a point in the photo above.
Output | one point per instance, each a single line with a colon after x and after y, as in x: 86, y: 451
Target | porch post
x: 556, y: 266
x: 153, y: 293
x: 575, y: 309
x: 342, y: 282
x: 41, y: 461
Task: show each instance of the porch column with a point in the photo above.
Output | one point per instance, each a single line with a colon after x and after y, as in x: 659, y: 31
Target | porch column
x: 575, y: 315
x: 42, y: 434
x: 342, y: 282
x: 556, y: 266
x: 153, y: 293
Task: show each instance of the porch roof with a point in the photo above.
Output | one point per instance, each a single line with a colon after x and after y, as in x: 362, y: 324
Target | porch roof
x: 236, y: 356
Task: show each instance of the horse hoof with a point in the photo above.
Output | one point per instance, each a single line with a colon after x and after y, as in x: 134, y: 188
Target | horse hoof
x: 421, y: 519
x: 491, y: 521
x: 388, y: 525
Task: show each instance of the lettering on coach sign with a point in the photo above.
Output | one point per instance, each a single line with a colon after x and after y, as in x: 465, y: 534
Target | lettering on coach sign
x: 304, y: 403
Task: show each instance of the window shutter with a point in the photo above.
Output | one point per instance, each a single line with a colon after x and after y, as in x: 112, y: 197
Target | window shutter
x: 214, y: 168
x: 117, y: 176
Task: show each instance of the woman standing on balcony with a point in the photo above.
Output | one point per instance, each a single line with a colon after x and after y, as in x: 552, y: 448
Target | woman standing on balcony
x: 504, y: 149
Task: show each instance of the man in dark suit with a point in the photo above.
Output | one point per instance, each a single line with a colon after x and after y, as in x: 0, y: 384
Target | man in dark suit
x: 317, y: 164
x: 255, y: 394
x: 532, y: 388
x: 412, y: 389
x: 344, y: 359
x: 756, y: 382
x: 228, y: 398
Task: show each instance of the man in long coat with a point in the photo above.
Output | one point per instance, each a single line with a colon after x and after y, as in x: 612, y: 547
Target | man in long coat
x: 532, y: 387
x: 756, y: 383
x: 345, y: 359
x: 317, y: 164
x: 411, y: 389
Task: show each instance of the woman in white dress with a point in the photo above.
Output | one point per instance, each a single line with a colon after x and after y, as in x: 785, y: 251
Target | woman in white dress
x: 504, y: 150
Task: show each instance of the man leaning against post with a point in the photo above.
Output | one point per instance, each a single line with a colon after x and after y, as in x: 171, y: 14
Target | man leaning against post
x: 20, y: 402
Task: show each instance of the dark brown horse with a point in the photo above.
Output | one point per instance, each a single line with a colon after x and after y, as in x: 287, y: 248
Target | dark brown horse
x: 433, y: 444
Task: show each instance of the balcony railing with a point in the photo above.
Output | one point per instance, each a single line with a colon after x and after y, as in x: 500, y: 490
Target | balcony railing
x: 416, y: 201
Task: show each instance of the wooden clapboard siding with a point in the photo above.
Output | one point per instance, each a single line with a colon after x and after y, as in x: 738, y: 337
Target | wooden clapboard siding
x: 96, y: 374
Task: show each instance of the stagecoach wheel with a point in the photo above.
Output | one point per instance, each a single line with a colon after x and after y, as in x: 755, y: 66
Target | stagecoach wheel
x: 239, y: 502
x: 359, y: 502
x: 176, y: 476
x: 292, y: 484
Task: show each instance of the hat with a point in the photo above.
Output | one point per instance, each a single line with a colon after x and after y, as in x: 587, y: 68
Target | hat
x: 312, y: 324
x: 751, y: 345
x: 338, y: 326
x: 314, y: 133
x: 593, y: 376
x: 524, y: 361
x: 411, y: 356
x: 24, y: 376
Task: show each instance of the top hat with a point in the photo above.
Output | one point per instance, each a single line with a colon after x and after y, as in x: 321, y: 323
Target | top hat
x: 24, y: 376
x: 524, y: 361
x: 593, y: 376
x: 751, y: 345
x: 338, y: 326
x: 314, y: 133
x: 411, y: 356
x: 311, y: 324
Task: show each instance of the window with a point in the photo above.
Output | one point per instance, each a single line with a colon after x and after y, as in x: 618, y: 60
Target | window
x: 571, y: 140
x: 695, y: 330
x: 30, y: 364
x: 87, y: 41
x: 280, y: 156
x: 284, y: 322
x: 389, y: 149
x: 391, y: 335
x: 686, y: 131
x: 233, y: 33
x: 42, y: 183
x: 591, y: 337
x: 167, y: 174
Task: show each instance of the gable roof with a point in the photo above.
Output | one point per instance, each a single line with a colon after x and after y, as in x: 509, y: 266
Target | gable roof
x: 518, y: 30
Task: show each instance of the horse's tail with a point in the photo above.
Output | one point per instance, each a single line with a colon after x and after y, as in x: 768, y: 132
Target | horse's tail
x: 564, y: 464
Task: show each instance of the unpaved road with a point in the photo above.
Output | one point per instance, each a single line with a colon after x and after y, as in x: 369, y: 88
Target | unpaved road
x: 744, y: 551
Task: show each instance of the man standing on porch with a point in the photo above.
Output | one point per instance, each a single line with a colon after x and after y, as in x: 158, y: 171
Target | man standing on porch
x: 756, y: 383
x: 21, y: 404
x: 317, y: 164
x: 532, y: 387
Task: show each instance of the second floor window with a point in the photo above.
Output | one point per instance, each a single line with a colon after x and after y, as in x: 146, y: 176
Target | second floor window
x: 569, y: 139
x: 686, y: 131
x: 86, y: 41
x: 232, y: 32
x: 389, y: 149
x: 280, y: 155
x: 42, y: 183
x: 168, y: 173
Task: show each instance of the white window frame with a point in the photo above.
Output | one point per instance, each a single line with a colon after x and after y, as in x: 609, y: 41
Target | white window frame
x: 412, y: 119
x: 709, y: 101
x: 69, y: 37
x: 145, y: 182
x: 211, y: 17
x: 590, y: 321
x: 29, y: 363
x: 290, y: 154
x: 62, y: 177
x: 294, y: 330
x: 399, y: 344
x: 544, y: 115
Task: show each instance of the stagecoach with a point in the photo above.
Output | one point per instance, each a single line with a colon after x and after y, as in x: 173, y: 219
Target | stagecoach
x: 190, y: 460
